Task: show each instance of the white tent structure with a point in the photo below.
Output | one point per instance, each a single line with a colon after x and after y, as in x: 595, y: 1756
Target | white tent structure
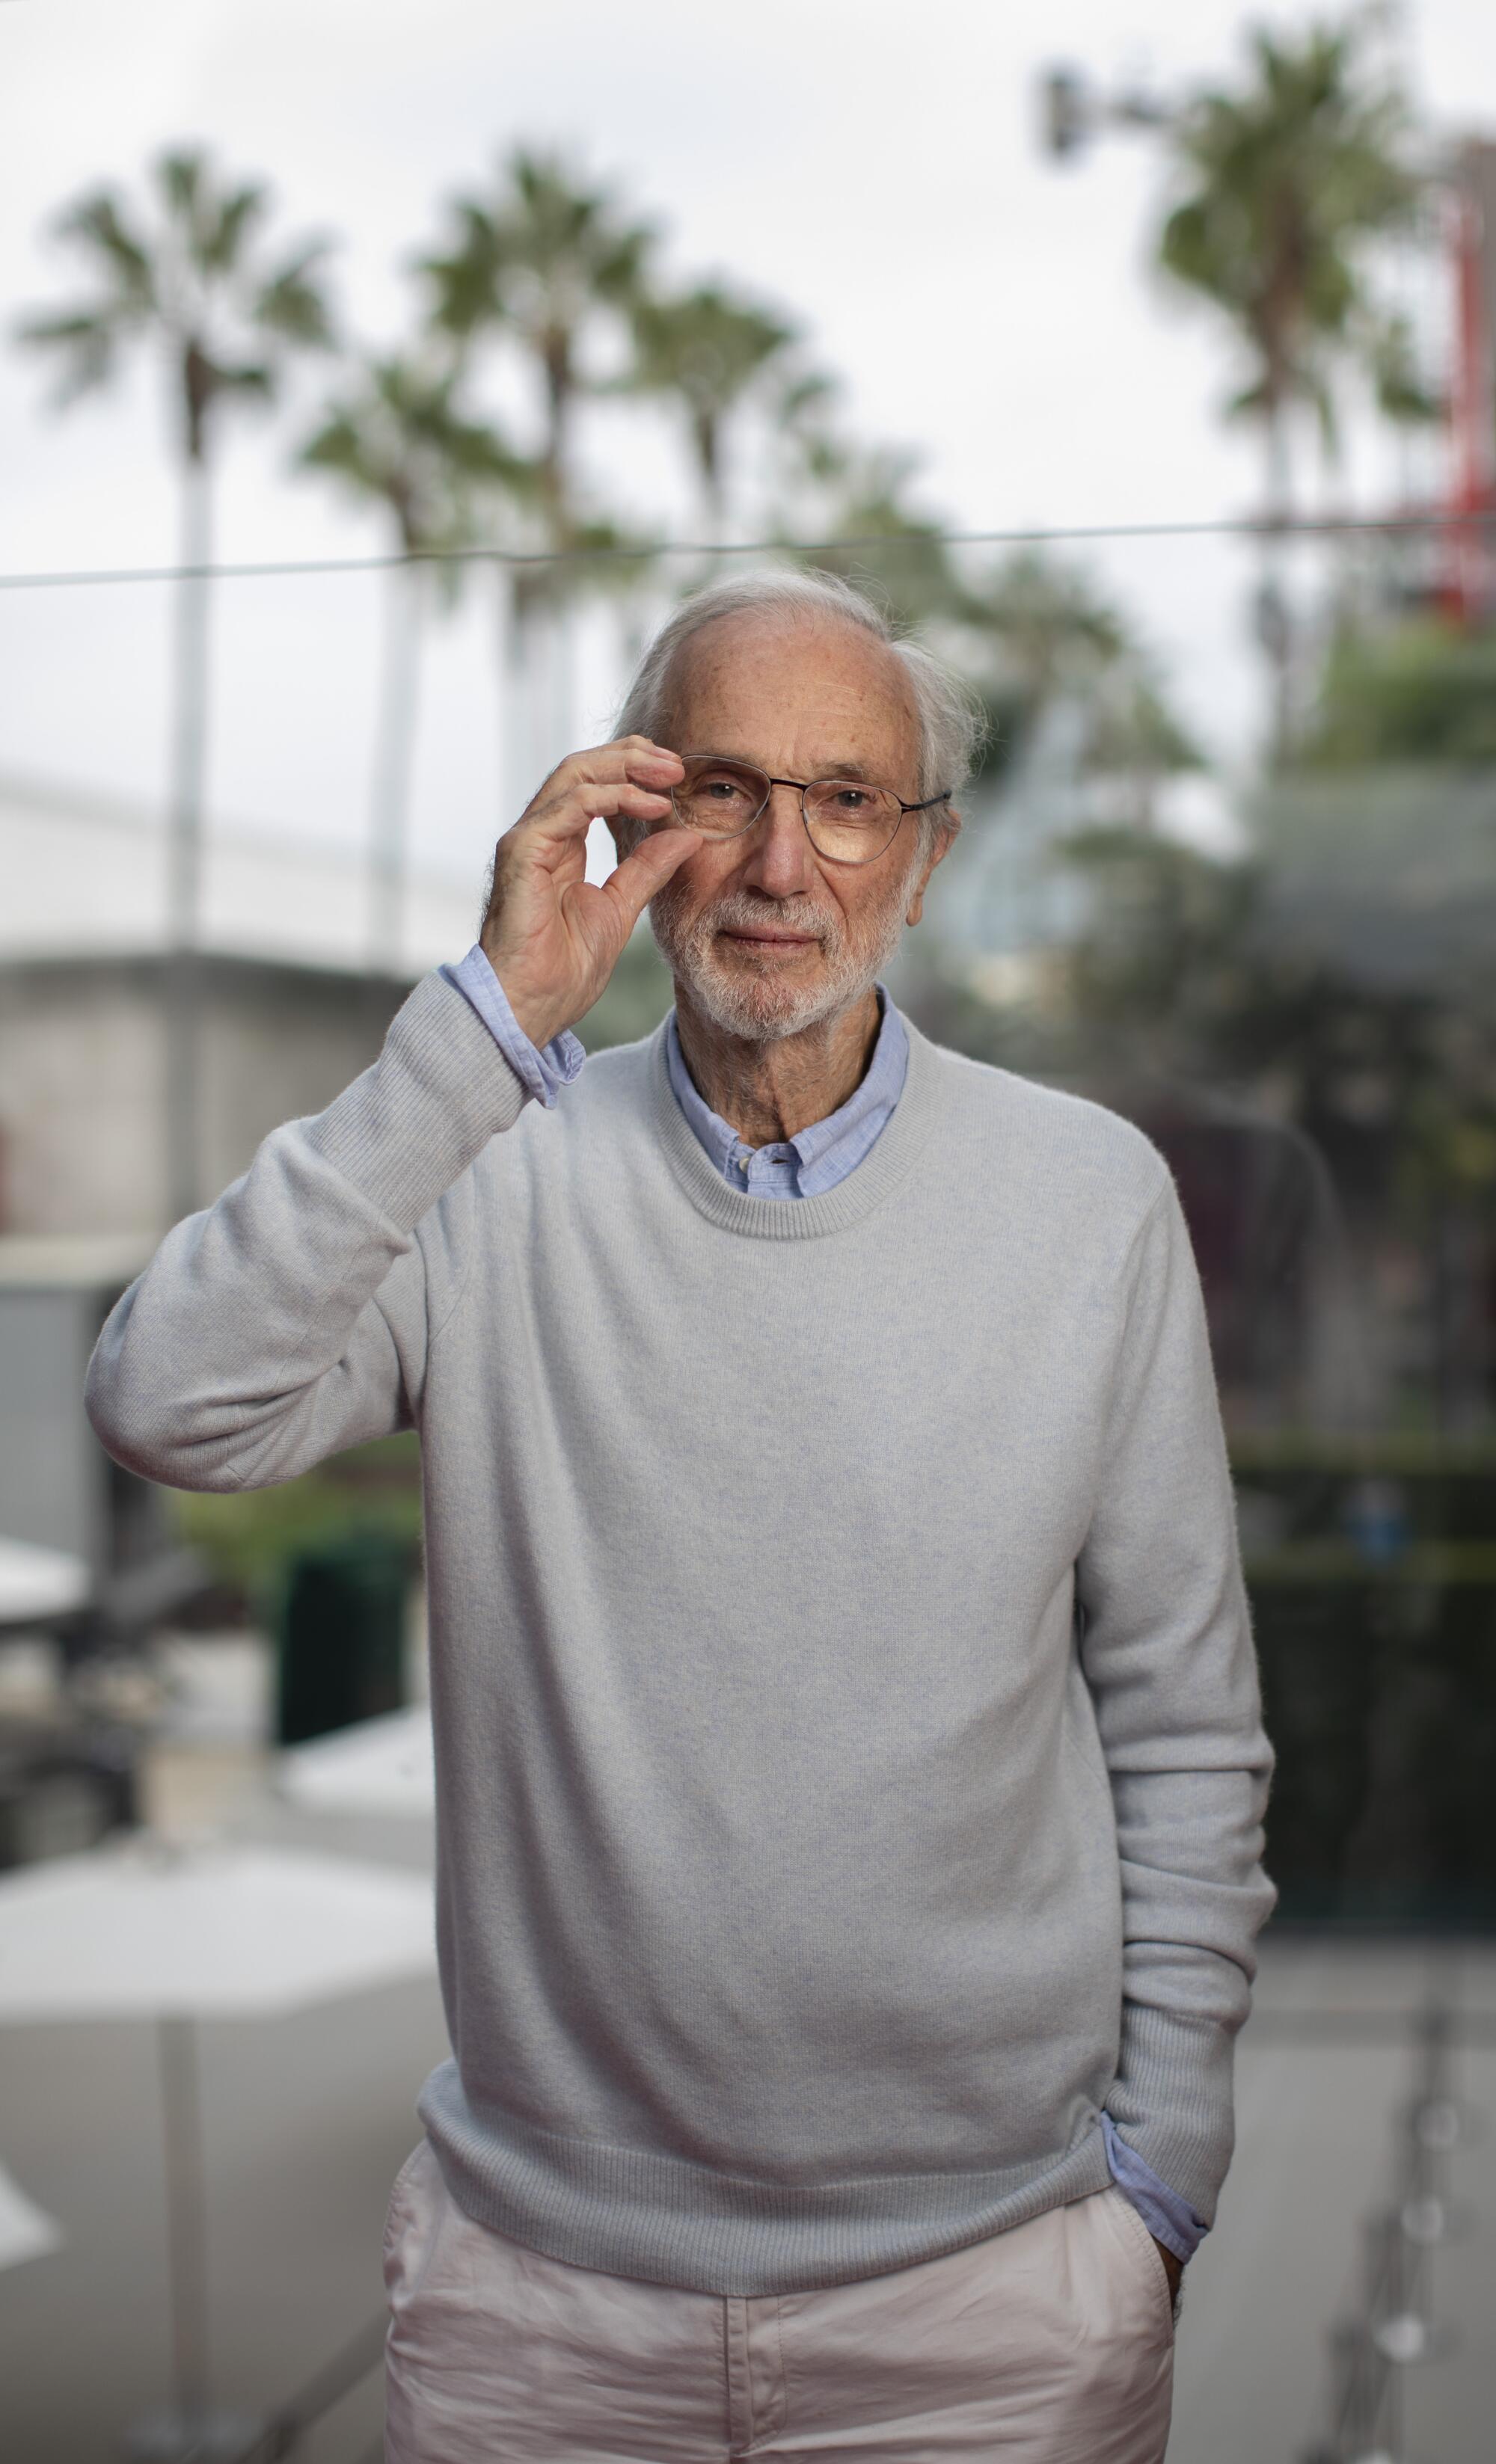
x: 39, y: 1584
x: 175, y: 1936
x: 382, y: 1765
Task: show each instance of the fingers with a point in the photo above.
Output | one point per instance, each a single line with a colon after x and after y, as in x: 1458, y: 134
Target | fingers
x: 633, y: 778
x: 546, y: 842
x: 639, y: 755
x: 615, y: 782
x: 633, y: 883
x: 600, y: 801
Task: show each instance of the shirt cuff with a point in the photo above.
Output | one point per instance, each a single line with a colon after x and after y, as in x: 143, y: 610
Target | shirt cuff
x: 540, y: 1073
x: 1169, y: 2218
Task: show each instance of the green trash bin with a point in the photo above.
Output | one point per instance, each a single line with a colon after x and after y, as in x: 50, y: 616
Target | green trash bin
x: 342, y: 1635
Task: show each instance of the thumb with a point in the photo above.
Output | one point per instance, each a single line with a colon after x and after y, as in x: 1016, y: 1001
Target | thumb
x: 633, y: 883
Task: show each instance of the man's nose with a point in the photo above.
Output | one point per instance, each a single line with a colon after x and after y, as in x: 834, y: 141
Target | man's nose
x: 779, y: 857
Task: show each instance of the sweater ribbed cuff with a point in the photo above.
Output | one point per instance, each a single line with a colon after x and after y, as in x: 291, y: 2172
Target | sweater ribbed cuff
x: 438, y: 1093
x: 1172, y: 2097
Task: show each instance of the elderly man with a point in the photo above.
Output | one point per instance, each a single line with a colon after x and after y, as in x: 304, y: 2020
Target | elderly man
x: 849, y: 1772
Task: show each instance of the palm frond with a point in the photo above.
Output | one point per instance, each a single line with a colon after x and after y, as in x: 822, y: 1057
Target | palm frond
x: 85, y: 343
x: 292, y: 304
x: 225, y: 233
x: 97, y: 225
x: 179, y: 173
x: 254, y: 378
x: 1403, y: 395
x: 1287, y: 187
x: 463, y: 284
x: 399, y: 437
x: 705, y: 345
x: 185, y: 277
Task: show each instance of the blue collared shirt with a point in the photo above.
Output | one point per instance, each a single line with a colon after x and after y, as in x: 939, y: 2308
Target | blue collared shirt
x: 806, y: 1165
x: 814, y: 1160
x: 540, y: 1073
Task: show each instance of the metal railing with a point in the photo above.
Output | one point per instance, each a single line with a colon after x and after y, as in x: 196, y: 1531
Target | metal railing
x: 1392, y: 2328
x: 282, y: 2434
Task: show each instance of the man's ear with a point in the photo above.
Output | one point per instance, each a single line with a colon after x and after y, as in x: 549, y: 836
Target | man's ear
x: 941, y: 846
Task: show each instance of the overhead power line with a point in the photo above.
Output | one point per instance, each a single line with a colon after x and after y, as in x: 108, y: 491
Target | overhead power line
x: 882, y: 544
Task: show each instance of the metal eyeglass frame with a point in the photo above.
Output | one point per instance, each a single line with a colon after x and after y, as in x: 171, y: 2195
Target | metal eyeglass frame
x: 732, y: 762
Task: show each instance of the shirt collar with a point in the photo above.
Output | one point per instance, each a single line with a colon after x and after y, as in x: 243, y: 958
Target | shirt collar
x: 826, y: 1151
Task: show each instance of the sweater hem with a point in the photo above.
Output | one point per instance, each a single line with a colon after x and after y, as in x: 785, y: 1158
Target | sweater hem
x: 662, y: 2219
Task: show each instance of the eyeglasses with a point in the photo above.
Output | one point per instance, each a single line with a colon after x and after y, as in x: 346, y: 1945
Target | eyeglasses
x: 845, y: 819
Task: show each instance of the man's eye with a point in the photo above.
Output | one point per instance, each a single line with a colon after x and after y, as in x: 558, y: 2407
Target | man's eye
x: 852, y: 800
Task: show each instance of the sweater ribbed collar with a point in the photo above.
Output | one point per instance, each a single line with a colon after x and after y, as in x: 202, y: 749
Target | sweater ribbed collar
x: 880, y: 1172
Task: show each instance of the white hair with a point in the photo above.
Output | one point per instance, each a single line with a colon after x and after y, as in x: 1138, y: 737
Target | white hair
x: 951, y: 722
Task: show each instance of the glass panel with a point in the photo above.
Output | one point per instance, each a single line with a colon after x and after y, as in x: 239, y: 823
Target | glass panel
x: 1241, y: 891
x: 1235, y: 882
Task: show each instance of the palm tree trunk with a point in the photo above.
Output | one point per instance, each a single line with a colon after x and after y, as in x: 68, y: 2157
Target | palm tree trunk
x: 389, y: 813
x: 1274, y: 609
x: 707, y: 439
x: 561, y: 682
x: 505, y: 619
x: 185, y: 847
x: 518, y: 657
x: 538, y: 695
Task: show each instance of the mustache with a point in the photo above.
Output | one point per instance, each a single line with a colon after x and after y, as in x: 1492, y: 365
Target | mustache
x: 740, y: 909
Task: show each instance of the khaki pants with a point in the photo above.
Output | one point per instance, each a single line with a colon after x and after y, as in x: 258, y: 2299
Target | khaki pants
x: 1049, y: 2344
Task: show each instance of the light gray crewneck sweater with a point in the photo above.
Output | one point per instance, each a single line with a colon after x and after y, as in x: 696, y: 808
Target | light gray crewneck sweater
x: 791, y: 1929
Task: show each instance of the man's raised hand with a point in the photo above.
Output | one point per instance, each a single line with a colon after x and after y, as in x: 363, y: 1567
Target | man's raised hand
x: 551, y: 936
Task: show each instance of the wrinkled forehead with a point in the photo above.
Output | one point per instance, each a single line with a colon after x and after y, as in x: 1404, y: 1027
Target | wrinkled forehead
x: 796, y: 689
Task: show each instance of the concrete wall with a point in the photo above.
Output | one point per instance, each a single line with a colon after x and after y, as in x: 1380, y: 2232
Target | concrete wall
x: 83, y: 1050
x: 81, y: 1143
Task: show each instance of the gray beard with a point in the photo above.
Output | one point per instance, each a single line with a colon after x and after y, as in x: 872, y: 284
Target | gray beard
x: 757, y: 1009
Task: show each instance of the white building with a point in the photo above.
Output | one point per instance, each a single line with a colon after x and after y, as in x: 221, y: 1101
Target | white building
x: 289, y: 1013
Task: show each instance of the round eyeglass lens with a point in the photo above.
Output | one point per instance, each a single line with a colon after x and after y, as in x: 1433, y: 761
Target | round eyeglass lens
x: 849, y: 821
x: 721, y: 797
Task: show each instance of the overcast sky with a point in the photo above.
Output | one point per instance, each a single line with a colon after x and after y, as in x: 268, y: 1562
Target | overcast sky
x: 871, y: 166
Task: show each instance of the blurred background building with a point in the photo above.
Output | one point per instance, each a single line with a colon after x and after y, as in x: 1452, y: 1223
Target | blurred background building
x: 290, y: 1009
x: 379, y: 462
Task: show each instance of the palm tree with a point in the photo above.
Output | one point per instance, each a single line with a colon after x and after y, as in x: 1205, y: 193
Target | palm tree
x: 708, y: 353
x: 550, y: 266
x: 1290, y: 184
x: 1053, y: 657
x: 546, y: 262
x: 398, y: 439
x: 1046, y: 624
x: 186, y: 279
x: 834, y: 489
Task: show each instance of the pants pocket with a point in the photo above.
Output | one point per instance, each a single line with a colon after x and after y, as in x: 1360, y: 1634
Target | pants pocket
x: 1136, y: 2233
x: 410, y: 2224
